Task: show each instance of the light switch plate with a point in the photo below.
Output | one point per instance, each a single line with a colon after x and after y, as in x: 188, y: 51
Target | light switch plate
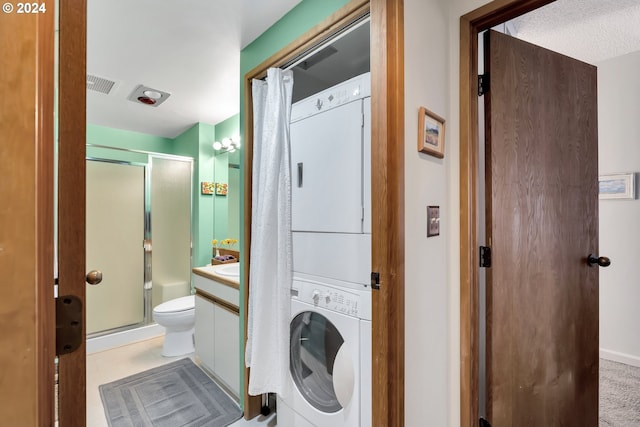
x: 433, y: 221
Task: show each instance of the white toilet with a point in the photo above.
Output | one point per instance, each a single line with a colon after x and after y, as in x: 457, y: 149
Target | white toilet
x: 178, y: 316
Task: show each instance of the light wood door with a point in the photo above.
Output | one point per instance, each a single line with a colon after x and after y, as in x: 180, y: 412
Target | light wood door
x: 27, y: 345
x: 542, y: 222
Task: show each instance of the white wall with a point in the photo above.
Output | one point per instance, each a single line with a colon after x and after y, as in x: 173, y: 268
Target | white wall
x: 619, y: 151
x: 432, y: 266
x: 427, y: 325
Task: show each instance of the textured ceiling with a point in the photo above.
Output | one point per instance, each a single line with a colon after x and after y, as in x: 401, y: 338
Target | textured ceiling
x: 188, y: 48
x: 588, y: 30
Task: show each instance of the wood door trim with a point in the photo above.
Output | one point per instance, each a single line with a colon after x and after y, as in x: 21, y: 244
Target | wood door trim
x: 387, y: 224
x: 387, y: 71
x: 71, y: 207
x: 471, y: 24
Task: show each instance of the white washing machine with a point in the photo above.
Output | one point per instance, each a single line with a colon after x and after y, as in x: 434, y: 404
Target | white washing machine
x: 330, y: 356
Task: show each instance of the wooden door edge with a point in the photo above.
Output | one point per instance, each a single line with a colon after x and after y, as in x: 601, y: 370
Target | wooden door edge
x: 45, y: 311
x: 471, y: 24
x: 388, y: 204
x: 71, y: 207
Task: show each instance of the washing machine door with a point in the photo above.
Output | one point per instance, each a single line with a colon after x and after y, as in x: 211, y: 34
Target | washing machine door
x: 319, y: 363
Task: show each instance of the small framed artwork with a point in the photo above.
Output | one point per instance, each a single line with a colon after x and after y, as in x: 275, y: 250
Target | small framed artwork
x: 221, y: 189
x: 617, y: 186
x: 207, y: 187
x: 433, y: 221
x: 430, y: 133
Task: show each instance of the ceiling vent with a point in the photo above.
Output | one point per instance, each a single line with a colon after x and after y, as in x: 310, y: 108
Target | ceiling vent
x: 98, y: 84
x: 148, y: 96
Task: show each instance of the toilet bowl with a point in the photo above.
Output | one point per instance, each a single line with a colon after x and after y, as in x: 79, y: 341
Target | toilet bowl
x: 178, y: 316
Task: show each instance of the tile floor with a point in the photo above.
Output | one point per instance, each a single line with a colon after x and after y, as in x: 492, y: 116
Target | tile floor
x: 120, y: 362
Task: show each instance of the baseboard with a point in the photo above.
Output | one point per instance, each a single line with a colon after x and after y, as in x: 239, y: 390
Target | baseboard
x: 615, y: 356
x: 118, y: 339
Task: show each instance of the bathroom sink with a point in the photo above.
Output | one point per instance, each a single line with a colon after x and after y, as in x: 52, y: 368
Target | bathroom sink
x: 229, y: 270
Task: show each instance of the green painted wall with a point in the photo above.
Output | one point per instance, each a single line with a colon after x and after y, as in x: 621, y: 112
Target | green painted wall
x: 196, y: 142
x: 298, y: 21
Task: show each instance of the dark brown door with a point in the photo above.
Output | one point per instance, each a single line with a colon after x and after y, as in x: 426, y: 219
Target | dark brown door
x: 542, y: 222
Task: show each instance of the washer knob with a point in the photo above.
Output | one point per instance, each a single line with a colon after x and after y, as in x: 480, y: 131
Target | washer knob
x: 327, y: 298
x: 315, y: 296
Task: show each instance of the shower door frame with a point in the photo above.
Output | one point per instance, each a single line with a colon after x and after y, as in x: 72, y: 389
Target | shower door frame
x: 147, y: 244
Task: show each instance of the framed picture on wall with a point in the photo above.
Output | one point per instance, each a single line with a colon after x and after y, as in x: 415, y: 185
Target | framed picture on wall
x: 430, y: 133
x: 221, y: 189
x: 207, y: 187
x: 617, y: 186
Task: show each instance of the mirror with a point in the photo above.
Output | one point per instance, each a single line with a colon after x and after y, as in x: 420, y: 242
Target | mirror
x: 226, y: 208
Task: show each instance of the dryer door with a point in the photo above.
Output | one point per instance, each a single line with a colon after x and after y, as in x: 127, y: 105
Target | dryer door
x: 316, y: 344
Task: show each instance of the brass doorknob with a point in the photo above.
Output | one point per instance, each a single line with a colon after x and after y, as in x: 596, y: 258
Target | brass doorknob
x: 94, y: 277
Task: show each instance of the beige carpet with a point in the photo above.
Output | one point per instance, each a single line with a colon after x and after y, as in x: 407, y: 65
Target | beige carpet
x: 619, y: 394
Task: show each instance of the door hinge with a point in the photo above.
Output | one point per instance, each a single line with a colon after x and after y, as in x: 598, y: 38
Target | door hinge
x: 484, y: 423
x: 485, y: 256
x: 375, y: 280
x: 68, y: 324
x: 483, y: 84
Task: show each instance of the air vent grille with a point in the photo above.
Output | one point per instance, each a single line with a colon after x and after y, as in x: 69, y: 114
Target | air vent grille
x: 98, y: 84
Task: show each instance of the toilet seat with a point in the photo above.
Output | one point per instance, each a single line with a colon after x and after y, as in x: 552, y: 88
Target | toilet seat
x: 177, y: 305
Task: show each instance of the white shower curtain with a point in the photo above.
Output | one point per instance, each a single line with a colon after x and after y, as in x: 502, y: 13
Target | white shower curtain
x: 270, y: 277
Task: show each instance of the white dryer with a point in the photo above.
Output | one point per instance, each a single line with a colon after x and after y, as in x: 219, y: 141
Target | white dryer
x: 330, y: 356
x: 331, y: 188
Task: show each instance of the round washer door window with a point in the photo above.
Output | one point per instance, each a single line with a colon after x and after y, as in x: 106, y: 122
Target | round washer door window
x: 315, y: 342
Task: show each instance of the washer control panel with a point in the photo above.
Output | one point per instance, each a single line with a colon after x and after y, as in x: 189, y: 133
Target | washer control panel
x: 346, y: 301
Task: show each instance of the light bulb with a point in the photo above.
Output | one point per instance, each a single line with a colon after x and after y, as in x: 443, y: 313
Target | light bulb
x: 217, y: 145
x: 226, y: 142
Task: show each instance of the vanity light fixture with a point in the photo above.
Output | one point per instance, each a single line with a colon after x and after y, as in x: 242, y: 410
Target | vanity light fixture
x: 227, y: 145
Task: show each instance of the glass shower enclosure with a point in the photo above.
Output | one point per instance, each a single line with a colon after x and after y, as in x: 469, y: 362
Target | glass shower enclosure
x: 138, y: 216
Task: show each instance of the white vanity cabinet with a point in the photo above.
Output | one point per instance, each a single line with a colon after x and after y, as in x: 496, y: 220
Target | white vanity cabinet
x: 217, y: 330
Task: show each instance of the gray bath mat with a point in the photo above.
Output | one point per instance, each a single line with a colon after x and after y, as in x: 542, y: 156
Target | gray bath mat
x: 172, y: 395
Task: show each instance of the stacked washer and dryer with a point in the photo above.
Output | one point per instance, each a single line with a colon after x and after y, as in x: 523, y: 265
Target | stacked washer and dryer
x: 330, y: 350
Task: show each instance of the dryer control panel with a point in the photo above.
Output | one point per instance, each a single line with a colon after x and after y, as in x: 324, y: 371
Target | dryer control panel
x: 346, y: 301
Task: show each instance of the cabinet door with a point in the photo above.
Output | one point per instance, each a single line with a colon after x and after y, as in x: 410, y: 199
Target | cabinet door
x: 326, y: 171
x: 227, y: 344
x: 204, y: 332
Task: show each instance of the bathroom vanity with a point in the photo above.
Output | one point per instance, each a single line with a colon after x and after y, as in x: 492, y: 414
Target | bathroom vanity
x: 217, y: 330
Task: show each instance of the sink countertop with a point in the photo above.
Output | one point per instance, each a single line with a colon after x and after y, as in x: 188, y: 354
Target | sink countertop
x: 209, y: 272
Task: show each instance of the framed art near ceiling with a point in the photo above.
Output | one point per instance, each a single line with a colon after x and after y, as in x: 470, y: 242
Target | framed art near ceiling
x: 617, y: 186
x: 430, y: 133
